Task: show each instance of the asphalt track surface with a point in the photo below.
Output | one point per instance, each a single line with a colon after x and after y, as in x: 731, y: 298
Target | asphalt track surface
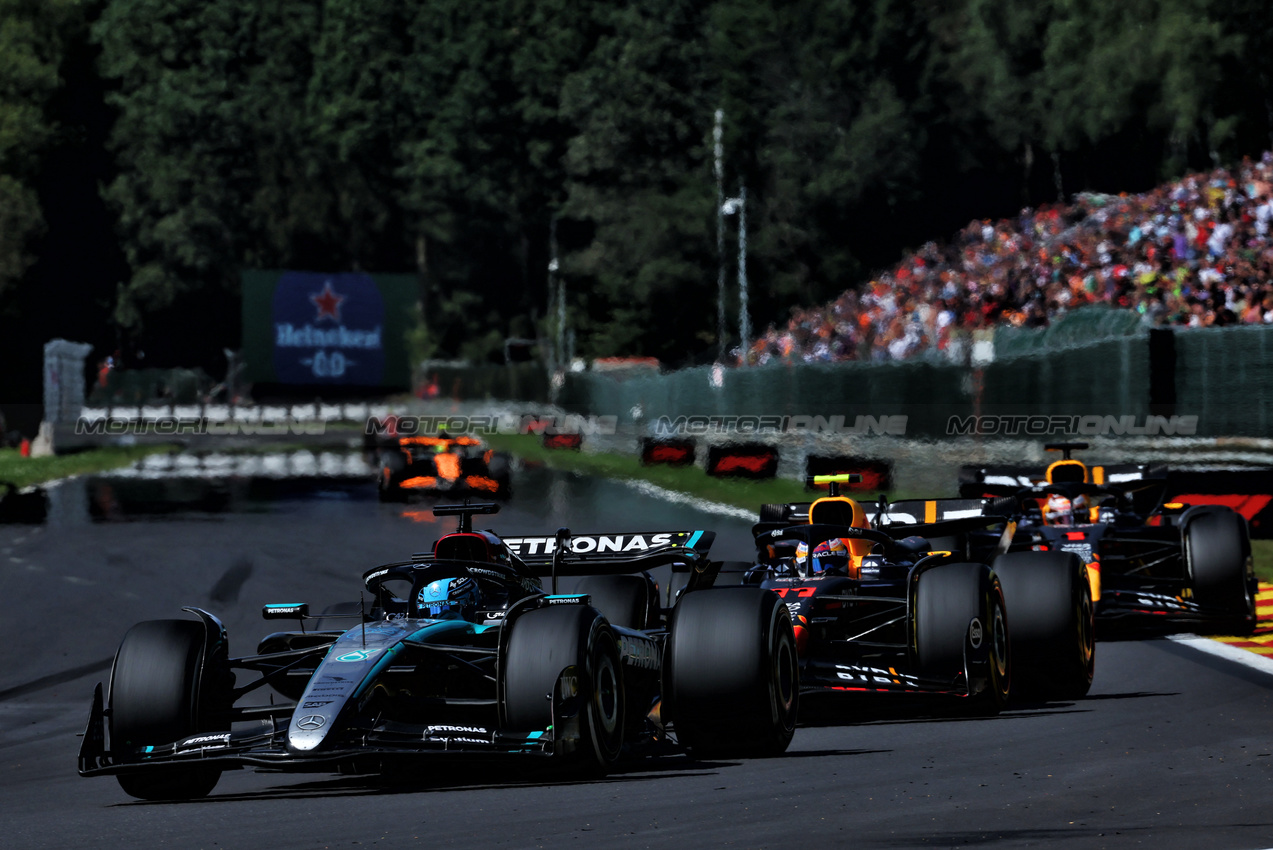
x: 1171, y: 749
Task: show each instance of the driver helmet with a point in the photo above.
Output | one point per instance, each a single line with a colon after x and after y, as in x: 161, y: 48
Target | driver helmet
x: 447, y: 598
x: 829, y: 555
x: 802, y: 557
x: 1059, y: 511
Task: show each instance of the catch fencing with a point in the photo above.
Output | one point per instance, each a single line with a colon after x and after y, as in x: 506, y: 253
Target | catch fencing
x: 1096, y: 362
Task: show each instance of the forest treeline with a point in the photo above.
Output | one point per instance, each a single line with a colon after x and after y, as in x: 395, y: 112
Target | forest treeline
x: 446, y: 137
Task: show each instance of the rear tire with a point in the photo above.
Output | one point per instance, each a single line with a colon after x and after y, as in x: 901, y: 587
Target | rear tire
x: 1049, y: 599
x: 948, y: 598
x: 624, y: 601
x: 544, y: 642
x: 1217, y: 559
x: 158, y: 696
x: 731, y: 676
x: 500, y: 469
x: 392, y: 463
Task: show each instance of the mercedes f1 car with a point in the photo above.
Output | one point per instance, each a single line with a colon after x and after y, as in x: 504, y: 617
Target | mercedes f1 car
x: 442, y: 465
x: 461, y: 653
x: 1149, y: 561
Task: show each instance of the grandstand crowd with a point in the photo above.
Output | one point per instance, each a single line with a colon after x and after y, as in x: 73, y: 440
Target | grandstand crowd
x: 1197, y: 252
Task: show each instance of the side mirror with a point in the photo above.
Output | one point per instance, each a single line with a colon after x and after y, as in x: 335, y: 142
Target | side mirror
x: 285, y: 611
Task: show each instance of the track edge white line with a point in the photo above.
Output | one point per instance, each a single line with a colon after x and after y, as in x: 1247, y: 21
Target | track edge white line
x: 1227, y: 652
x: 657, y: 492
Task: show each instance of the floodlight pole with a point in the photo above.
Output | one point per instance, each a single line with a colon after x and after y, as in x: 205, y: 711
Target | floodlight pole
x: 720, y: 236
x: 744, y: 321
x: 556, y: 282
x: 731, y: 206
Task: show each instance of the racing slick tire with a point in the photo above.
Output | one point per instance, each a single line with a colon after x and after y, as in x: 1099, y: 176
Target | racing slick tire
x: 541, y: 644
x: 163, y: 689
x: 948, y: 599
x: 1053, y: 636
x: 392, y: 464
x: 625, y: 601
x: 500, y: 469
x: 1217, y: 560
x: 731, y: 678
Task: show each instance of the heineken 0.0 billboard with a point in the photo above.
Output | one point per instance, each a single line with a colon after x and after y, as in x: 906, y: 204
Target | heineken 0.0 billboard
x: 345, y: 329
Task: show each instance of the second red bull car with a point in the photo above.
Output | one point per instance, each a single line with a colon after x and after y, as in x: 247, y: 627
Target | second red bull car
x: 1152, y: 563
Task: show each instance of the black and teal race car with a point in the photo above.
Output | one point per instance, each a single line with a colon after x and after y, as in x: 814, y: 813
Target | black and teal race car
x: 460, y: 653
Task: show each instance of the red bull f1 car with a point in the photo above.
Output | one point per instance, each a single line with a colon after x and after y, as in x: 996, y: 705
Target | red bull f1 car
x: 460, y: 654
x: 877, y: 612
x: 438, y: 465
x: 893, y: 605
x: 1150, y: 562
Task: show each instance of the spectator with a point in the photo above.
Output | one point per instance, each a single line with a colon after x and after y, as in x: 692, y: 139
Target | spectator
x: 1196, y: 252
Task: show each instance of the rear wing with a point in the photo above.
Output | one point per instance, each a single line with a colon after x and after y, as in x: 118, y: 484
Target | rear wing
x: 927, y: 511
x: 940, y: 517
x: 921, y: 517
x: 1124, y: 473
x: 1002, y: 479
x: 613, y: 552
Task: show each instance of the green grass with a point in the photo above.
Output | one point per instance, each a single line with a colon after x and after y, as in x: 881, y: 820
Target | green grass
x: 738, y: 492
x: 1262, y: 554
x: 24, y: 471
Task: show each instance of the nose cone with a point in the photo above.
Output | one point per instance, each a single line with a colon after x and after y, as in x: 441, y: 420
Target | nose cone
x: 335, y: 682
x: 350, y: 668
x: 308, y: 730
x: 352, y: 661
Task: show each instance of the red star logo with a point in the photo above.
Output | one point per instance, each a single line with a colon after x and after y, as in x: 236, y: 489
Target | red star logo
x: 328, y: 303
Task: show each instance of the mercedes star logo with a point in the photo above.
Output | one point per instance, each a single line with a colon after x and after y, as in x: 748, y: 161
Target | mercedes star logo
x: 311, y: 721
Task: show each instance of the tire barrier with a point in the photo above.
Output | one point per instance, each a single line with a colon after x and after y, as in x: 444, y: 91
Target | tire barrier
x: 563, y: 441
x: 668, y: 452
x: 743, y: 460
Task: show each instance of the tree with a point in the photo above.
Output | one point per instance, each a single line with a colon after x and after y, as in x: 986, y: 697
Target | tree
x: 639, y: 180
x: 33, y: 37
x: 833, y: 117
x: 482, y: 159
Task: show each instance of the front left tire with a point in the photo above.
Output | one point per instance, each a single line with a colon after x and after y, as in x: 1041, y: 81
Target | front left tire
x: 164, y: 688
x: 543, y: 643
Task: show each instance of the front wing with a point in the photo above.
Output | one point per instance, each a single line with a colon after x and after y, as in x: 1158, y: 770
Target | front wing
x: 854, y: 666
x: 363, y: 746
x: 847, y: 677
x: 1144, y: 579
x: 1162, y: 601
